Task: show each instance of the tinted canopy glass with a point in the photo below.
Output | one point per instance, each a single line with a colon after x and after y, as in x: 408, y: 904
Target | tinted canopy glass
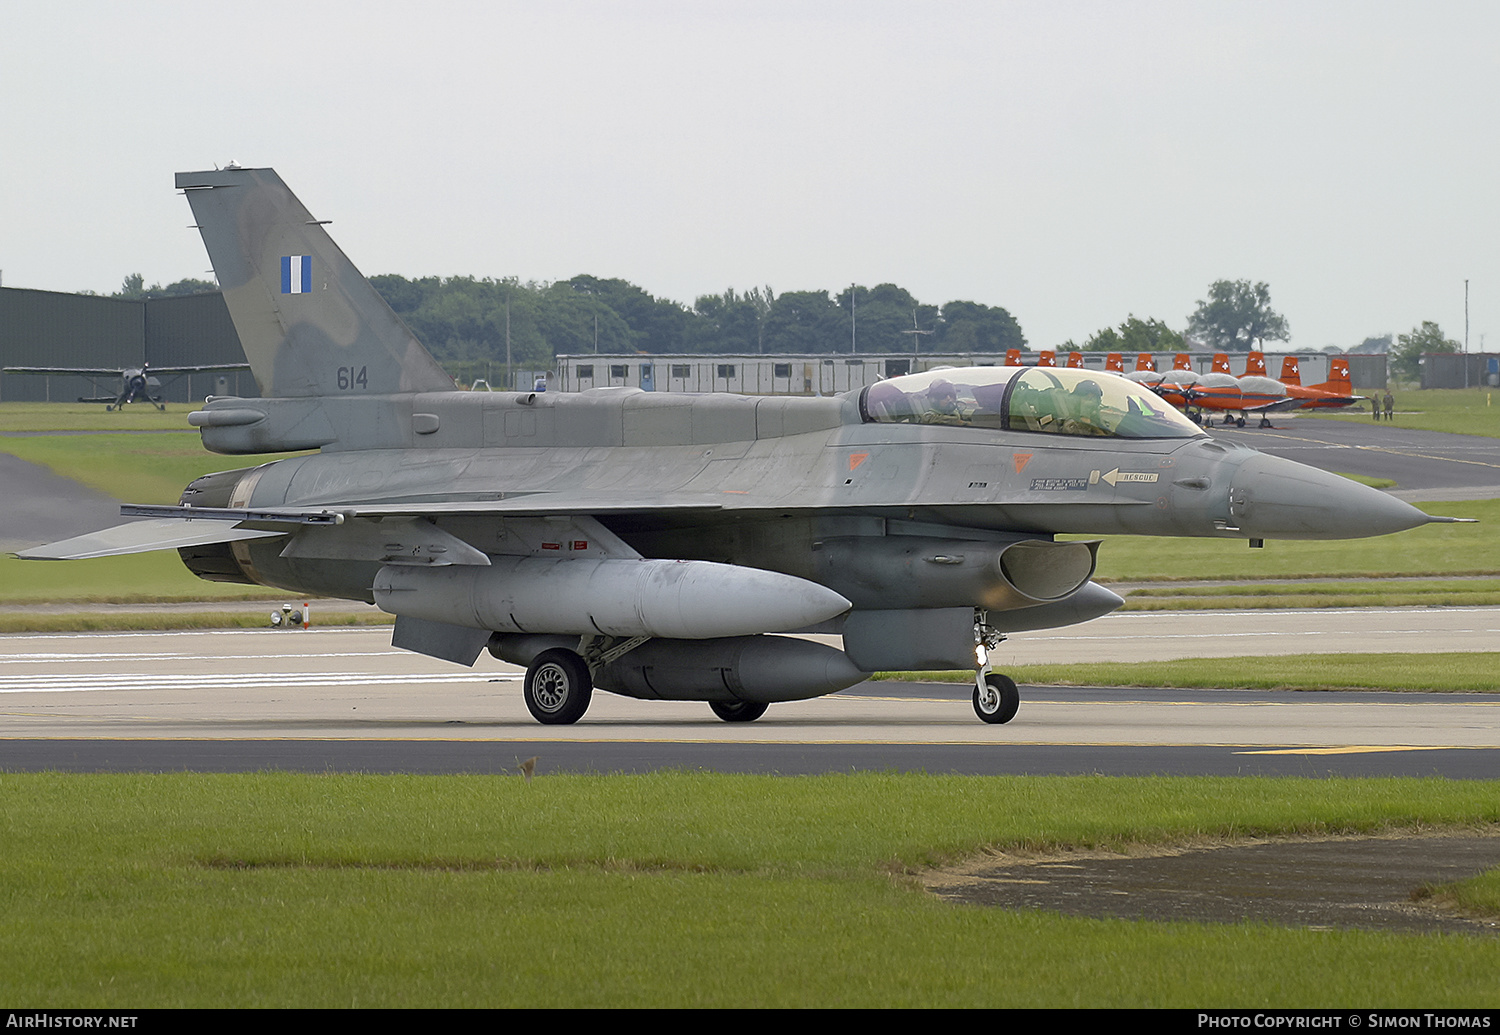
x: 1047, y: 400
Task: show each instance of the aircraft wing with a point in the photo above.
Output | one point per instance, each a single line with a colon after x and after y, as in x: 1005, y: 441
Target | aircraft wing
x: 535, y: 504
x: 83, y: 371
x: 141, y: 536
x: 1278, y: 406
x: 196, y: 370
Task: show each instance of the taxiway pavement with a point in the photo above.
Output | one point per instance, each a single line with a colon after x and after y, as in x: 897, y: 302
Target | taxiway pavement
x: 344, y: 698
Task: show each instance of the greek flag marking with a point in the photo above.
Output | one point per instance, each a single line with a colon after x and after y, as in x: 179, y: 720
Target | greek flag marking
x: 296, y: 274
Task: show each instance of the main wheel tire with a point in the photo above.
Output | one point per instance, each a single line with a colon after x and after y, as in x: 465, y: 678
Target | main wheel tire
x: 1001, y: 703
x: 738, y: 711
x: 558, y: 687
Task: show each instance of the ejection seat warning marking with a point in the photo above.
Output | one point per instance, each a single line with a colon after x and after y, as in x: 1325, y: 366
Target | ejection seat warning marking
x: 1068, y: 484
x: 1021, y: 460
x: 1117, y: 475
x: 855, y: 459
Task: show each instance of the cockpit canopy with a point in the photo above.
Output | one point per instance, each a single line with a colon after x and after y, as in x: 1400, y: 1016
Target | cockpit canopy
x: 1050, y: 400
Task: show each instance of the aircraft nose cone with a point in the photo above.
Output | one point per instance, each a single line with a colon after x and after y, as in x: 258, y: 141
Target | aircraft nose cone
x: 1274, y: 498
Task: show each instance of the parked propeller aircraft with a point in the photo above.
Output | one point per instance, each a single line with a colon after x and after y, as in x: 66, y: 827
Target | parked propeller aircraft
x: 652, y: 544
x: 1219, y: 391
x: 136, y: 383
x: 1335, y: 393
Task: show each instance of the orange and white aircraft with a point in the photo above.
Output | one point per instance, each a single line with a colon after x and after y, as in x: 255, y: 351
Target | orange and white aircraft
x: 1335, y: 393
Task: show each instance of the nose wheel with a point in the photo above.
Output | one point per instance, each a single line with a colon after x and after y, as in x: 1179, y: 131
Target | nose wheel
x: 998, y: 700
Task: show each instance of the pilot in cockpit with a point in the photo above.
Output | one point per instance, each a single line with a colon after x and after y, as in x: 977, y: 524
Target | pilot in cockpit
x: 942, y: 405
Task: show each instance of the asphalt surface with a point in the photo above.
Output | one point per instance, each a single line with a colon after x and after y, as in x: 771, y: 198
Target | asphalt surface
x: 1366, y: 883
x: 36, y: 506
x: 344, y: 699
x: 1425, y: 465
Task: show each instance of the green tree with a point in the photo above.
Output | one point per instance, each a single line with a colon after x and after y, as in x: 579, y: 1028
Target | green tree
x: 885, y: 317
x: 806, y: 321
x: 730, y: 322
x: 1137, y: 335
x: 972, y: 327
x: 656, y: 325
x: 134, y: 288
x: 1237, y: 317
x: 1406, y: 356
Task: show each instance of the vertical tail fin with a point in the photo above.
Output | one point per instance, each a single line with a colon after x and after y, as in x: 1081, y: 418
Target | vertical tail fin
x: 1115, y: 362
x: 1221, y: 363
x: 1145, y: 361
x: 1046, y: 359
x: 1255, y: 365
x: 1338, y: 377
x: 1291, y: 373
x: 1012, y: 357
x: 1075, y: 360
x: 310, y: 323
x: 1182, y: 361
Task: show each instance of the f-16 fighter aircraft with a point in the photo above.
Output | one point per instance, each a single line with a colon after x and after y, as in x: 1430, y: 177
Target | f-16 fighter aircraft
x: 653, y: 544
x: 136, y: 383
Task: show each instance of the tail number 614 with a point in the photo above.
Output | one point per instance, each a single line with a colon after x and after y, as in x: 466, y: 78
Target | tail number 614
x: 353, y: 377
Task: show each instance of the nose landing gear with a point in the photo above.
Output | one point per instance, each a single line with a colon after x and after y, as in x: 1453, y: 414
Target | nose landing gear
x: 996, y: 697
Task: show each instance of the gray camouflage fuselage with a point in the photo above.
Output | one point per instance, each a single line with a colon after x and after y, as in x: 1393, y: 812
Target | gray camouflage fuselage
x: 659, y: 537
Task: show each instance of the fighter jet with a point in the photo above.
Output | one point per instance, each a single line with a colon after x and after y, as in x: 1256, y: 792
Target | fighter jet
x: 655, y: 544
x: 136, y: 383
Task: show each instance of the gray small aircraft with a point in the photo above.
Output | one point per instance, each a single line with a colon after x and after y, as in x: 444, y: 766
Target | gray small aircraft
x: 136, y: 383
x: 654, y: 544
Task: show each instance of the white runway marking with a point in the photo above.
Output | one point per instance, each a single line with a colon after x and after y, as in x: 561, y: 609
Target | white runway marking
x: 231, y: 681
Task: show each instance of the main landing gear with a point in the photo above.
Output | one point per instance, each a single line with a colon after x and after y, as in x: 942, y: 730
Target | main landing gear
x: 996, y: 697
x: 558, y: 687
x: 559, y: 683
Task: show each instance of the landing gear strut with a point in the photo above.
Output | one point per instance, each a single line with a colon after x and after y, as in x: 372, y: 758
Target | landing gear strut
x: 996, y: 698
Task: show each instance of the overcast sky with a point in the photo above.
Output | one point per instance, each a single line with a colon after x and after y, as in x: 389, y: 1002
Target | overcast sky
x: 1074, y: 162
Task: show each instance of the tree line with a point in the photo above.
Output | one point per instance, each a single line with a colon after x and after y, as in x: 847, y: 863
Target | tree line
x: 473, y: 323
x: 466, y: 319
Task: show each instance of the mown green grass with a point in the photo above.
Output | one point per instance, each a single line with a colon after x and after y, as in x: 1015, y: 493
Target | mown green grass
x: 671, y: 889
x: 1459, y: 411
x: 1458, y: 672
x: 1463, y: 549
x: 141, y: 578
x: 132, y: 468
x: 105, y: 621
x: 1478, y: 896
x: 1353, y: 593
x: 33, y: 416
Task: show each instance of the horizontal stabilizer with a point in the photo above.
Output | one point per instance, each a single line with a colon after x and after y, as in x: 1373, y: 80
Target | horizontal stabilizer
x: 141, y: 537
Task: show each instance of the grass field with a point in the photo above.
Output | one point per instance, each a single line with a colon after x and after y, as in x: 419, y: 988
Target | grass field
x: 1459, y: 411
x: 1430, y: 550
x: 1460, y: 672
x: 673, y: 889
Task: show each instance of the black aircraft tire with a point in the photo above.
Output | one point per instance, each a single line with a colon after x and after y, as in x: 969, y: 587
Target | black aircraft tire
x: 558, y: 687
x: 1007, y: 699
x: 738, y: 711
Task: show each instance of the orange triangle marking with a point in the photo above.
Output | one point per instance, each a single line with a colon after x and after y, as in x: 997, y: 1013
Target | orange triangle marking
x: 1021, y: 460
x: 855, y: 459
